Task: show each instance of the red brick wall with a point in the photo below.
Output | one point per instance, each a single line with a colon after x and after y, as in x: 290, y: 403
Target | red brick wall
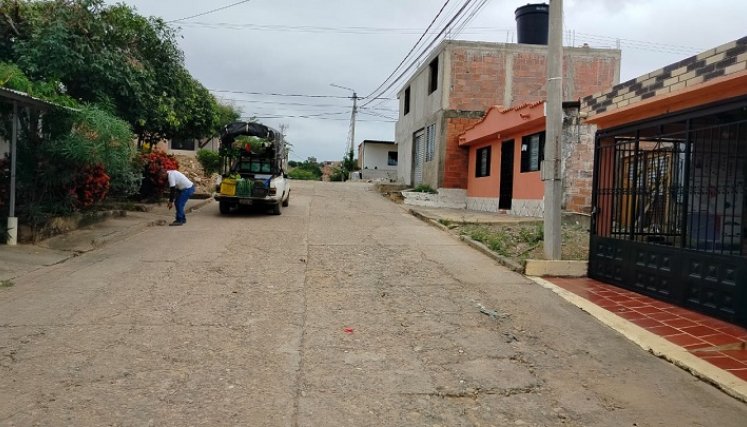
x: 529, y: 77
x: 477, y: 78
x: 456, y: 160
x: 592, y: 75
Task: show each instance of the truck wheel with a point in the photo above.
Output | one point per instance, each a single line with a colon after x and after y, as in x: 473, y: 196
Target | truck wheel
x: 224, y: 207
x: 276, y: 209
x: 287, y: 199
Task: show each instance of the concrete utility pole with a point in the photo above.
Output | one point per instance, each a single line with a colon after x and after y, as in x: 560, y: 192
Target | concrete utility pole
x: 353, y: 114
x: 554, y: 125
x: 352, y: 122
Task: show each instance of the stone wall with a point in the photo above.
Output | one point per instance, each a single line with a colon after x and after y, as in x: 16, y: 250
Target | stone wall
x: 577, y: 164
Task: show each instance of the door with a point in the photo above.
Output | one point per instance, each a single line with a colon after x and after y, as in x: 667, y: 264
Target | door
x: 418, y: 157
x: 506, y: 191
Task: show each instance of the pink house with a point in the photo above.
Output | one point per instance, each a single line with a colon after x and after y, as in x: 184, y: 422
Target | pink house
x: 506, y: 149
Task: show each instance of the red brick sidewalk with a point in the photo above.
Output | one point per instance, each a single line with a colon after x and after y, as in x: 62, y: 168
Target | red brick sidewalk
x: 720, y: 343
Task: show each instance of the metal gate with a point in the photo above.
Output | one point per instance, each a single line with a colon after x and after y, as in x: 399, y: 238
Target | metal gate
x: 670, y: 211
x: 418, y: 157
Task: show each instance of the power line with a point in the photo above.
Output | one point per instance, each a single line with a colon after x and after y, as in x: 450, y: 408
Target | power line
x: 475, y: 10
x: 321, y: 29
x: 278, y: 116
x: 412, y: 49
x: 425, y: 50
x: 299, y: 104
x: 209, y: 11
x: 287, y: 94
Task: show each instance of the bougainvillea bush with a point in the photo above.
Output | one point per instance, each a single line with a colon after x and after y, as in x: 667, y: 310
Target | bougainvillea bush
x: 155, y: 165
x: 90, y: 187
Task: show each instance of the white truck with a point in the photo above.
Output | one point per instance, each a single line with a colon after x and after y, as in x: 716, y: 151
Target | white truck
x: 254, y: 168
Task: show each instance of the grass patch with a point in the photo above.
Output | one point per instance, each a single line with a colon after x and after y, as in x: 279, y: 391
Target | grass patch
x: 447, y: 223
x: 524, y: 241
x: 6, y: 283
x: 424, y: 188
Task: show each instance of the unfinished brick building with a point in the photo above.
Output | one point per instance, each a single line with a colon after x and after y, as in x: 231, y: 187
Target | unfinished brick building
x: 462, y: 79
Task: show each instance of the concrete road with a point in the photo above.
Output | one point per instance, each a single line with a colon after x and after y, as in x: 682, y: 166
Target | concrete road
x: 343, y: 311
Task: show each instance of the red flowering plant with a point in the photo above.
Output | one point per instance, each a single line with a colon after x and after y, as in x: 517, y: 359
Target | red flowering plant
x: 90, y: 186
x: 4, y: 181
x: 155, y: 165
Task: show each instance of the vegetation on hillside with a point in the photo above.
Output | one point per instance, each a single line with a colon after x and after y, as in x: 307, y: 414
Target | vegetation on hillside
x: 306, y: 170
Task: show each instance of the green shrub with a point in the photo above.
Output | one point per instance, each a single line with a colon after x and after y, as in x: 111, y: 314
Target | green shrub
x: 532, y: 235
x: 209, y: 160
x: 303, y: 174
x: 337, y: 175
x: 424, y: 188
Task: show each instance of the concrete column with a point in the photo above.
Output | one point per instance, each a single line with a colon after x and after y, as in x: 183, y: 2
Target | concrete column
x: 12, y: 238
x: 508, y: 83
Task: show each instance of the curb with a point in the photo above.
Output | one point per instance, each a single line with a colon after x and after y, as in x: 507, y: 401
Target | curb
x: 506, y: 262
x: 656, y: 345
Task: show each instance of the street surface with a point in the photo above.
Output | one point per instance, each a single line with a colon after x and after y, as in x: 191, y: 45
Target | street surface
x: 343, y: 311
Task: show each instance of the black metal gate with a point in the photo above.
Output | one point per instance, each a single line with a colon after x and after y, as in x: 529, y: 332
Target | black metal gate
x: 670, y: 211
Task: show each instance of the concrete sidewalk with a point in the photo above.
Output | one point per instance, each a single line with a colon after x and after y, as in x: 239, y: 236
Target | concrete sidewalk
x: 19, y: 260
x: 718, y: 358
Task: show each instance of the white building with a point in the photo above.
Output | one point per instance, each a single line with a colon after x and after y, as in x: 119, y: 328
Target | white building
x: 378, y: 160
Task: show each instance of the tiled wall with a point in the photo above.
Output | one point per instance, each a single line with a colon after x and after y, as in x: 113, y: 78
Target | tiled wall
x: 726, y: 59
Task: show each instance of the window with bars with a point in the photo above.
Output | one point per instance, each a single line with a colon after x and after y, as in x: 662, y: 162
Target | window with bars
x: 430, y: 142
x: 532, y: 152
x: 482, y: 167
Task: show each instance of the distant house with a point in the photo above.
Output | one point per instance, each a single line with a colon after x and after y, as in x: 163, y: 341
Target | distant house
x: 459, y: 81
x: 669, y: 205
x: 378, y: 160
x: 191, y: 144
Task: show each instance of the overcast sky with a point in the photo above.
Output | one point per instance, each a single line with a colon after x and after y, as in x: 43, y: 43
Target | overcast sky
x: 296, y: 47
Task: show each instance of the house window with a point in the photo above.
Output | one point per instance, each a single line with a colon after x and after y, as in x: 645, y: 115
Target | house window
x: 391, y: 159
x: 482, y: 167
x: 430, y: 142
x: 183, y: 144
x: 532, y: 152
x: 407, y: 101
x: 433, y: 83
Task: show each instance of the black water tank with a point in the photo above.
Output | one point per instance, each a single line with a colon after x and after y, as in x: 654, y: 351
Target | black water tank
x: 531, y: 23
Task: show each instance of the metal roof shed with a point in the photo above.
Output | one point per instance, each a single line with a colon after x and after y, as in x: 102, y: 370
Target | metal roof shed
x: 21, y: 99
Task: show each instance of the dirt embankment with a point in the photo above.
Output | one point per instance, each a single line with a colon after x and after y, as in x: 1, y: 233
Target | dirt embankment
x: 189, y: 166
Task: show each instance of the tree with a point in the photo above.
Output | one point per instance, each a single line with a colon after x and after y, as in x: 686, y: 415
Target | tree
x: 348, y: 165
x: 305, y: 170
x: 110, y: 56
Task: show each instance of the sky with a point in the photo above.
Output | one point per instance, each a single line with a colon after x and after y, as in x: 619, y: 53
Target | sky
x: 251, y: 53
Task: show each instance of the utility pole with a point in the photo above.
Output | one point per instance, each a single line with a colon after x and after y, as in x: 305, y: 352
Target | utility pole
x: 554, y: 124
x: 351, y: 146
x: 351, y: 140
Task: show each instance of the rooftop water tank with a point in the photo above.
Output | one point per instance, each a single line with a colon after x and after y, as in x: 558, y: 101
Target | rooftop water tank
x: 532, y: 22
